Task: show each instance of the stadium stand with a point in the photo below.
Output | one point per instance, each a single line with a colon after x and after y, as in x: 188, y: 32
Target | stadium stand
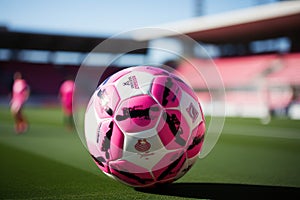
x: 290, y: 73
x: 253, y: 84
x: 257, y: 56
x: 236, y: 72
x: 44, y: 79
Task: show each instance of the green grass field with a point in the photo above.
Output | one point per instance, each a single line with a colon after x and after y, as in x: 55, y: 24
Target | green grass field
x: 49, y: 162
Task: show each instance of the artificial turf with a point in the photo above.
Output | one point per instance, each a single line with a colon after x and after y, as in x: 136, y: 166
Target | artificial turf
x: 50, y: 162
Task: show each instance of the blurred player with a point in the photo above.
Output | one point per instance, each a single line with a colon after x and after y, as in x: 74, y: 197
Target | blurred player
x: 66, y: 95
x: 20, y: 94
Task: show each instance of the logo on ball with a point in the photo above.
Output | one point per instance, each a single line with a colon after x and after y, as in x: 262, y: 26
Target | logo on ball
x: 142, y: 145
x: 132, y: 82
x: 193, y: 113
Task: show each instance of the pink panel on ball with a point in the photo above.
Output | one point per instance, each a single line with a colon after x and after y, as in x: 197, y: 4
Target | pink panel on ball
x: 196, y: 141
x: 138, y: 113
x: 106, y: 101
x: 110, y: 141
x: 126, y: 171
x: 97, y: 156
x: 166, y: 91
x: 185, y: 87
x: 169, y: 166
x: 173, y: 130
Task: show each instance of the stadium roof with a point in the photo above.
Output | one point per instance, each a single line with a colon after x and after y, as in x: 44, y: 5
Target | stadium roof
x: 255, y: 23
x: 33, y: 41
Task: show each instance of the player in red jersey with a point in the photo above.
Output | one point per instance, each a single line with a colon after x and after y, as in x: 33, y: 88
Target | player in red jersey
x: 66, y: 97
x: 20, y: 94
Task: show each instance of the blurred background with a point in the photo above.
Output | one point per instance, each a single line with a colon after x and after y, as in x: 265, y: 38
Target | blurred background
x: 252, y: 45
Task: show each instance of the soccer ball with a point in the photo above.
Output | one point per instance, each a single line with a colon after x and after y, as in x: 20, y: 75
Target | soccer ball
x: 144, y: 126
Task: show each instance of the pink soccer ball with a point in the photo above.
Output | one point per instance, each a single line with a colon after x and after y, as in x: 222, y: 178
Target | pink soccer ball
x: 144, y: 126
